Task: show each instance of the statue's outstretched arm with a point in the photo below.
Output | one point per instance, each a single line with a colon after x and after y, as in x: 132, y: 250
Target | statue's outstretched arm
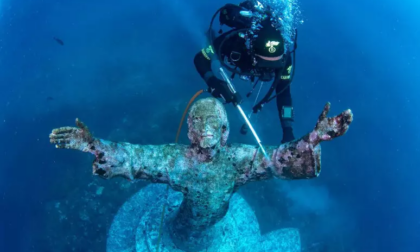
x: 302, y: 158
x: 297, y: 159
x: 151, y: 162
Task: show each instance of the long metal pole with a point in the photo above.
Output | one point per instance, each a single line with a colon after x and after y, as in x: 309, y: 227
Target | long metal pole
x: 232, y: 89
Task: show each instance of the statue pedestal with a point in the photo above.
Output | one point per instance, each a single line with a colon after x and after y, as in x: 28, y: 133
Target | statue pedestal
x: 135, y: 228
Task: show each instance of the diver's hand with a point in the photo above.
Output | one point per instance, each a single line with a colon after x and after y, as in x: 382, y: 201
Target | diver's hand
x: 76, y: 138
x: 219, y: 89
x: 328, y: 128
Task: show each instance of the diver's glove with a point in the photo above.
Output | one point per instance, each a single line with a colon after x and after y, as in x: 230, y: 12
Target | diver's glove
x: 287, y: 135
x: 219, y: 89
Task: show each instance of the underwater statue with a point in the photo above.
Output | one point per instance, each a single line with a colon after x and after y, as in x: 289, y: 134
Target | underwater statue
x: 205, y: 175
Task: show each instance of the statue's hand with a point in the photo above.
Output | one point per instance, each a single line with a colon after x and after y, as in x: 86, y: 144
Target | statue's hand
x: 328, y: 128
x: 77, y: 138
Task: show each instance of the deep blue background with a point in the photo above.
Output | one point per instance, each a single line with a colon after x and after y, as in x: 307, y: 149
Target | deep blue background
x: 128, y: 65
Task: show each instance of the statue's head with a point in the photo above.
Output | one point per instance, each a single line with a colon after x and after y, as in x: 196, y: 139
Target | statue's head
x: 208, y: 124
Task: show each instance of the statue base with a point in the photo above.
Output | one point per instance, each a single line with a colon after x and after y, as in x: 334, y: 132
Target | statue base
x: 135, y: 227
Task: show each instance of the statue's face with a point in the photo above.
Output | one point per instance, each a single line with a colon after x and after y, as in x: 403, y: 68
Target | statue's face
x: 207, y: 123
x: 208, y: 130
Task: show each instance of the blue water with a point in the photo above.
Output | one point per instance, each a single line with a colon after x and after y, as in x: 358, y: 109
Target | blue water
x: 126, y: 70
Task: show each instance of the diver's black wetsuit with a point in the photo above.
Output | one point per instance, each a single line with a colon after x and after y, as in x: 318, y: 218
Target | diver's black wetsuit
x: 235, y: 49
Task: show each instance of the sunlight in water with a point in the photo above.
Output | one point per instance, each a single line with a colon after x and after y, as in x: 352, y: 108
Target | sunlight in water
x: 189, y: 17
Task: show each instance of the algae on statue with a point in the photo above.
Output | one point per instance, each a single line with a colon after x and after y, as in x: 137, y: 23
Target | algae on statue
x: 209, y: 170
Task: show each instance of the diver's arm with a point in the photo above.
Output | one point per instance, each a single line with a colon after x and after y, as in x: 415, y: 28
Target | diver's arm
x: 216, y: 87
x: 150, y: 162
x: 284, y: 101
x: 202, y: 62
x: 299, y: 159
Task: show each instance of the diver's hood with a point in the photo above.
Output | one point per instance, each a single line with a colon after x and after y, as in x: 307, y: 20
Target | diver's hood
x: 261, y: 63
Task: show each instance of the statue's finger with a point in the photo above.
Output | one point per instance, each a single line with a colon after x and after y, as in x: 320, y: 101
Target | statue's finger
x: 59, y: 140
x: 80, y: 124
x: 344, y: 119
x: 327, y: 137
x: 63, y: 144
x: 56, y: 137
x: 59, y: 130
x: 54, y: 141
x: 67, y: 144
x: 348, y: 116
x: 64, y: 130
x: 53, y: 138
x: 342, y: 122
x: 55, y: 132
x: 324, y: 113
x: 62, y: 136
x: 68, y: 130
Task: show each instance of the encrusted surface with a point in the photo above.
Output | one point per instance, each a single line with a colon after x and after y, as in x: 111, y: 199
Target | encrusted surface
x: 208, y: 171
x: 237, y: 231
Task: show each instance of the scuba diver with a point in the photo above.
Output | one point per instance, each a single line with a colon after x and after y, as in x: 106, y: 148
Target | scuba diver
x: 254, y: 49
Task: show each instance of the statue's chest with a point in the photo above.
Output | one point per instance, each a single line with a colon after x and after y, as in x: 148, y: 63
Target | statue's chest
x: 202, y: 180
x: 213, y: 179
x: 216, y: 172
